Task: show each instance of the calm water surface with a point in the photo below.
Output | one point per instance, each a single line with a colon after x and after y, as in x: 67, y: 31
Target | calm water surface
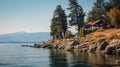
x: 13, y: 55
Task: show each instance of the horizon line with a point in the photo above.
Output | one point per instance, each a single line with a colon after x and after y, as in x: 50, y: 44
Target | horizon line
x: 23, y: 32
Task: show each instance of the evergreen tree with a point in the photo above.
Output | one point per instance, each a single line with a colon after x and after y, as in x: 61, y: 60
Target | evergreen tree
x: 60, y: 13
x: 100, y: 10
x: 97, y: 12
x: 59, y: 23
x: 112, y: 4
x: 115, y: 3
x: 76, y: 14
x: 56, y: 28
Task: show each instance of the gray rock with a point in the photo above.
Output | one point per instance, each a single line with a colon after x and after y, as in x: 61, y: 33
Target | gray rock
x: 70, y: 45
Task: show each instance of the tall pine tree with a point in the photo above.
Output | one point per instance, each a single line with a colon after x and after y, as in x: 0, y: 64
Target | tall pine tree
x: 56, y: 28
x: 60, y: 13
x: 97, y: 12
x: 115, y: 3
x: 59, y: 23
x: 76, y: 15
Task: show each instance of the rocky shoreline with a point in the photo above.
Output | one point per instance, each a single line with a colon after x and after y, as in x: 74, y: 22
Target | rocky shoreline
x: 112, y: 47
x: 105, y: 42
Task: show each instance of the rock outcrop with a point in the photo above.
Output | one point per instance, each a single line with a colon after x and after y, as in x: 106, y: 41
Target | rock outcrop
x: 114, y: 47
x: 111, y: 47
x: 99, y: 42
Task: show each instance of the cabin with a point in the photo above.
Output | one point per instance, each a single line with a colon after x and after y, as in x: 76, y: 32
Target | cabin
x: 92, y: 26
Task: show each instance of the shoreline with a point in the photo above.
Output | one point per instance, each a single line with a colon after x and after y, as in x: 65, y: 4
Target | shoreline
x: 73, y: 45
x: 105, y: 41
x: 101, y: 41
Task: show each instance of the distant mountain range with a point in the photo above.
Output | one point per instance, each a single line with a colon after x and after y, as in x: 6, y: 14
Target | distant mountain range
x: 25, y: 37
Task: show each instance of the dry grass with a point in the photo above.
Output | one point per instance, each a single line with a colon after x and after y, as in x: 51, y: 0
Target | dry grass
x: 97, y: 36
x: 108, y: 35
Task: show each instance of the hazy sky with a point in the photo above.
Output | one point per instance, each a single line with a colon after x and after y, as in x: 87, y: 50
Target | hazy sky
x: 31, y: 15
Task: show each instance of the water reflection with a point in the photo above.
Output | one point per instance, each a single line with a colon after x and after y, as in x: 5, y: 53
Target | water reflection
x: 60, y: 58
x: 98, y: 60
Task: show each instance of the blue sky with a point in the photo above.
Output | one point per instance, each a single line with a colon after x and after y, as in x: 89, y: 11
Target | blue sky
x: 31, y: 15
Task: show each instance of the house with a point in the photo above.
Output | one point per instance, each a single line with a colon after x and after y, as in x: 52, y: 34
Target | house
x: 91, y: 26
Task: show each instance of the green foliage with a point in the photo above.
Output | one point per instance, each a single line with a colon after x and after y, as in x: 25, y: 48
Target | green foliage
x: 112, y: 4
x: 115, y: 3
x: 56, y: 28
x: 76, y: 14
x: 100, y: 10
x: 59, y: 23
x: 60, y: 13
x: 109, y: 12
x: 97, y: 12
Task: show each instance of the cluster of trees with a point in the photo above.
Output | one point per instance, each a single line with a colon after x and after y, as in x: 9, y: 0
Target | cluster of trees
x: 107, y: 11
x: 59, y: 23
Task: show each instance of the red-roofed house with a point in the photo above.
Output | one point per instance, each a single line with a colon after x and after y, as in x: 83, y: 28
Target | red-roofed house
x: 91, y: 26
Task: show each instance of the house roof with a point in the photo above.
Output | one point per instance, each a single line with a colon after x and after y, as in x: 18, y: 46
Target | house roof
x: 94, y: 23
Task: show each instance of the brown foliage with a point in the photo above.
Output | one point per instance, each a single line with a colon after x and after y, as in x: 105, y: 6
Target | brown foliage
x: 114, y: 15
x: 97, y: 36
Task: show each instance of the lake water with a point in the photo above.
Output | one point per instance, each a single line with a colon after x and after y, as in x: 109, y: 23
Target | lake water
x: 13, y: 55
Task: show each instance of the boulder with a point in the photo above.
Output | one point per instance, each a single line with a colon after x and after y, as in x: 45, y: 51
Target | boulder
x: 37, y: 45
x: 55, y: 46
x: 117, y: 51
x: 74, y: 43
x: 82, y: 47
x: 45, y: 45
x: 49, y: 47
x: 101, y: 46
x: 92, y: 48
x: 70, y: 45
x: 61, y: 46
x: 114, y: 47
x: 109, y: 49
x: 68, y: 48
x: 84, y: 50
